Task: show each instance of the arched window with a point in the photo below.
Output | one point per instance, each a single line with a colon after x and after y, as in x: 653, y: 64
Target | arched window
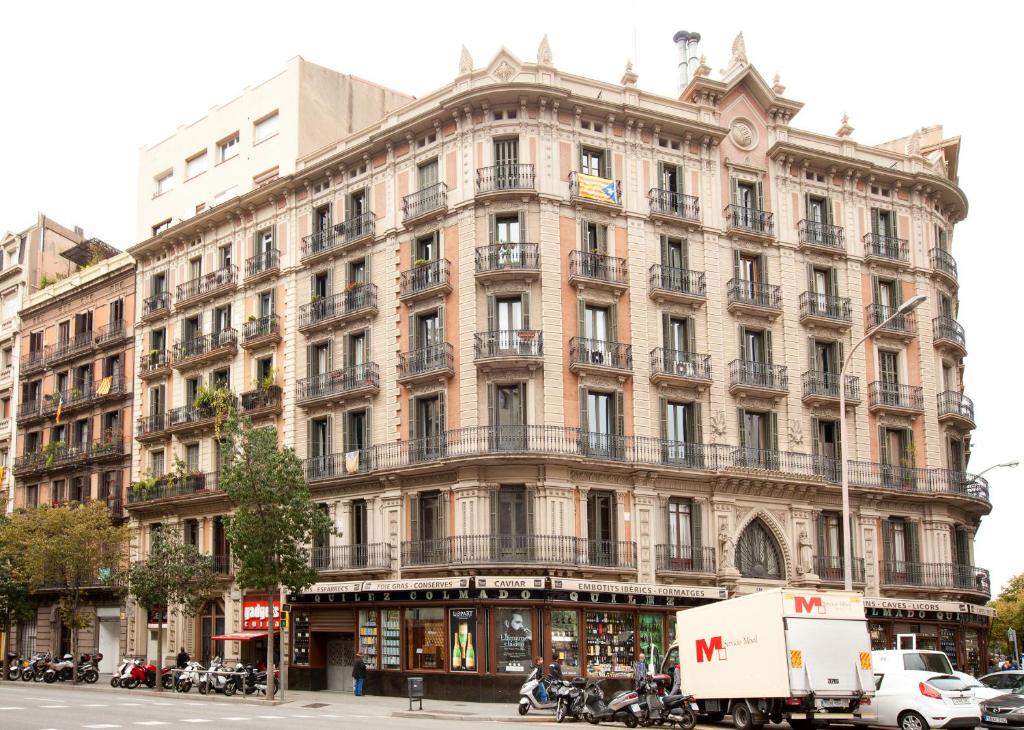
x: 758, y: 554
x: 211, y: 623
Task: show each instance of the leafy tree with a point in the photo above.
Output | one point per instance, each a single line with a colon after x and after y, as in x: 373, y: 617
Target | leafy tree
x: 274, y: 517
x: 173, y: 573
x: 1009, y: 608
x: 72, y: 548
x: 15, y: 606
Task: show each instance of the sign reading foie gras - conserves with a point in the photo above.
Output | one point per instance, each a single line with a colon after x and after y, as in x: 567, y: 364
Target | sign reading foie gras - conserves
x: 424, y: 584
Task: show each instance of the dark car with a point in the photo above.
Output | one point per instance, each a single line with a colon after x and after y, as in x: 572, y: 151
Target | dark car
x: 1003, y: 711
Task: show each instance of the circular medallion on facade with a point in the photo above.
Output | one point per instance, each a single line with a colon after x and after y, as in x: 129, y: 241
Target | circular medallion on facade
x: 742, y: 134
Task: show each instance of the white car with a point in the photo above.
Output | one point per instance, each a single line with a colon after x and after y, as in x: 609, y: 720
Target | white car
x: 917, y: 690
x: 979, y: 690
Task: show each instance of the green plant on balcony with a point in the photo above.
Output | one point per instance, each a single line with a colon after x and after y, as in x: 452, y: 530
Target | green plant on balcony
x: 146, y: 485
x: 421, y: 262
x: 52, y: 450
x: 353, y: 285
x: 215, y: 399
x: 268, y: 381
x: 251, y: 318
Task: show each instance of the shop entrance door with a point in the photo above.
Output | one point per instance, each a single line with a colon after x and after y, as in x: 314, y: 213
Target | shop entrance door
x: 340, y: 658
x: 109, y: 644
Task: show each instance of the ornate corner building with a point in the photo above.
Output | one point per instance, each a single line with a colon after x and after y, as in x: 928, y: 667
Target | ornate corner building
x: 561, y: 357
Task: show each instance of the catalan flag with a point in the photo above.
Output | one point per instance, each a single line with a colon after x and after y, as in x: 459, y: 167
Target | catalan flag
x: 60, y: 404
x: 597, y: 188
x: 104, y: 387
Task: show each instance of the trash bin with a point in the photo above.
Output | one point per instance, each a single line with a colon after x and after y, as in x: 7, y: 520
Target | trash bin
x: 416, y: 691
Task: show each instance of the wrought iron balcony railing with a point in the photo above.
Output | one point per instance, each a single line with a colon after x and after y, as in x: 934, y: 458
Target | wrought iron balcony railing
x: 111, y: 332
x: 519, y: 549
x: 185, y: 485
x: 754, y: 294
x: 884, y: 246
x: 602, y: 353
x: 666, y: 202
x: 211, y: 283
x: 826, y: 384
x: 153, y: 424
x: 260, y: 327
x: 362, y: 298
x: 680, y: 281
x: 71, y: 347
x: 260, y: 399
x: 825, y: 306
x: 338, y: 382
x: 758, y: 375
x: 680, y: 364
x: 372, y: 556
x: 943, y: 262
x: 753, y: 220
x: 935, y: 575
x: 829, y: 568
x: 895, y: 395
x: 583, y: 264
x: 434, y: 197
x: 356, y: 227
x: 508, y: 344
x: 824, y: 235
x: 204, y: 344
x: 154, y: 361
x: 947, y: 329
x: 439, y: 356
x: 508, y: 257
x: 954, y: 403
x: 509, y: 176
x: 905, y: 323
x: 684, y: 559
x: 262, y: 263
x: 156, y: 304
x: 425, y: 277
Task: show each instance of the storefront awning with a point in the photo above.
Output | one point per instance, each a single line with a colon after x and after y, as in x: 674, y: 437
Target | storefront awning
x: 241, y: 636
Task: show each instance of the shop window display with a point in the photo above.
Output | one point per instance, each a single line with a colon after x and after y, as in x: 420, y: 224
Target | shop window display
x: 368, y: 637
x: 652, y: 635
x: 565, y: 640
x: 462, y: 629
x: 425, y: 631
x: 390, y: 641
x: 610, y: 639
x: 514, y: 628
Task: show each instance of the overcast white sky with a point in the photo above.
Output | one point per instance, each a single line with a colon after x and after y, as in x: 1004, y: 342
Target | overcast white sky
x: 84, y: 85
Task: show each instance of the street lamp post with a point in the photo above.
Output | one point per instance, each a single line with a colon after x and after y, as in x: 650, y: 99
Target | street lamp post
x: 1005, y: 464
x: 904, y: 308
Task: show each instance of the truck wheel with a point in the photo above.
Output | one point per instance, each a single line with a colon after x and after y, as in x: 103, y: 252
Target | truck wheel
x: 741, y: 717
x: 912, y: 721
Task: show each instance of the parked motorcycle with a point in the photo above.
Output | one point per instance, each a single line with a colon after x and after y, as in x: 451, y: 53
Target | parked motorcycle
x: 62, y: 670
x: 13, y: 665
x: 34, y: 668
x: 622, y: 707
x: 658, y: 708
x: 529, y: 695
x: 189, y: 676
x: 570, y: 700
x: 123, y: 670
x: 213, y: 681
x: 139, y: 673
x: 250, y: 681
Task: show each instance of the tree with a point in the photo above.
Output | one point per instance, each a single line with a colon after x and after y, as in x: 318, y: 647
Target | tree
x: 72, y: 548
x: 172, y: 573
x: 1009, y: 608
x: 15, y: 604
x: 274, y: 517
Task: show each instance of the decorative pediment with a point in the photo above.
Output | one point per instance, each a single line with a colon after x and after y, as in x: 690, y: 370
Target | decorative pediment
x: 505, y: 66
x: 707, y: 91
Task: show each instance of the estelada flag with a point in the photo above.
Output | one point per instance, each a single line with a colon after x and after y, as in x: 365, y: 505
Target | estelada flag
x: 104, y: 387
x: 60, y: 404
x: 598, y: 188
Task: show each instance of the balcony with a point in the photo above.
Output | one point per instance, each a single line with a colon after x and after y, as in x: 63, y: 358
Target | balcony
x: 207, y: 286
x: 112, y: 334
x: 205, y: 348
x: 948, y: 333
x: 823, y: 237
x: 601, y: 192
x: 83, y: 395
x: 750, y: 221
x: 33, y: 362
x: 156, y: 307
x: 666, y: 283
x: 172, y: 487
x: 260, y: 332
x: 63, y: 350
x: 430, y: 200
x: 502, y: 261
x: 956, y: 408
x: 222, y: 565
x: 673, y: 206
x: 903, y: 325
x: 190, y: 418
x: 509, y: 348
x: 684, y: 559
x: 758, y: 378
x: 338, y: 385
x: 262, y: 266
x: 432, y: 362
x: 895, y: 397
x: 505, y: 178
x: 944, y: 265
x: 825, y: 310
x: 886, y: 249
x: 373, y: 557
x: 331, y: 241
x: 594, y: 269
x: 552, y: 550
x: 823, y: 388
x: 949, y: 576
x: 432, y: 278
x: 29, y: 410
x: 261, y: 402
x: 754, y: 297
x: 600, y: 356
x: 829, y: 569
x: 679, y: 367
x: 360, y: 301
x: 151, y: 428
x: 154, y: 364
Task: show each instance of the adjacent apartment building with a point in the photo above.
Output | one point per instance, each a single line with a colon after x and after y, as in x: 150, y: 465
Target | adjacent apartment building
x: 562, y: 358
x: 74, y: 419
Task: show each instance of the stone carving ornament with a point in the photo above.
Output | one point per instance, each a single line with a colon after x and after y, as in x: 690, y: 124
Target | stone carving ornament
x: 804, y: 564
x: 742, y: 134
x: 725, y: 548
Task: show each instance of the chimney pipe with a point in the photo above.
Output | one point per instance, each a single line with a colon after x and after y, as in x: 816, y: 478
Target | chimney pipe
x: 687, y: 44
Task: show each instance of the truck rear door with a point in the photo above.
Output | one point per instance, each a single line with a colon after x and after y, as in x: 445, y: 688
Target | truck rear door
x: 829, y: 657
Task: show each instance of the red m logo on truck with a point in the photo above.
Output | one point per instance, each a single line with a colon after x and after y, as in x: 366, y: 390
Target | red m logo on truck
x: 706, y: 649
x: 806, y: 605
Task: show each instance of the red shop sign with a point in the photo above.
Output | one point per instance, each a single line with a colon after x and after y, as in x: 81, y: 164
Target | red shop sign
x: 254, y: 615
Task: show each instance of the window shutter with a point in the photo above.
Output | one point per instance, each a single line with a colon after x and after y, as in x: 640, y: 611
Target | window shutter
x: 666, y: 331
x: 519, y: 412
x: 529, y: 496
x: 907, y: 457
x: 759, y: 189
x: 620, y: 413
x: 807, y: 206
x: 522, y: 228
x: 440, y: 325
x: 680, y: 186
x: 963, y: 545
x: 823, y: 550
x: 606, y: 164
x: 875, y: 222
x: 833, y: 282
x: 524, y: 302
x: 584, y: 424
x: 330, y: 355
x: 837, y: 366
x: 491, y: 397
x: 492, y: 228
x: 735, y: 185
x: 697, y: 535
x: 414, y: 517
x: 812, y: 351
x: 663, y: 417
x: 665, y: 258
x: 602, y: 239
x: 736, y: 266
x: 876, y: 291
x: 811, y: 280
x: 913, y: 547
x: 613, y: 323
x: 893, y: 224
x: 492, y: 313
x: 412, y: 418
x: 698, y: 423
x: 494, y: 499
x: 347, y: 433
x: 412, y: 332
x: 581, y: 316
x: 691, y: 334
x: 773, y: 431
x: 441, y: 516
x: 310, y: 446
x: 768, y: 347
x: 442, y: 413
x: 898, y: 287
x: 829, y: 215
x: 368, y: 440
x: 762, y: 266
x: 585, y: 245
x: 741, y: 418
x: 888, y: 541
x: 744, y: 356
x: 346, y: 346
x: 883, y: 446
x: 815, y: 437
x: 310, y: 354
x: 684, y: 247
x: 328, y: 448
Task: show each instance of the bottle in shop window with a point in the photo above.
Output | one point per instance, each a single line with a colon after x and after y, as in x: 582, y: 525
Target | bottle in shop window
x: 456, y: 653
x: 470, y: 654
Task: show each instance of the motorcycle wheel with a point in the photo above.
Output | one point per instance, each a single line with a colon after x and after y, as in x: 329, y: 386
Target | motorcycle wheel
x: 524, y: 707
x: 183, y: 685
x: 50, y: 677
x: 560, y: 711
x: 229, y: 689
x: 630, y: 720
x: 115, y: 681
x: 27, y: 674
x: 130, y: 683
x: 688, y: 721
x: 38, y: 676
x: 90, y: 676
x: 203, y: 688
x: 14, y: 673
x: 167, y: 681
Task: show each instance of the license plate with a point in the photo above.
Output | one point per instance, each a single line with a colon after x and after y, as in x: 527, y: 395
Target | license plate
x: 997, y: 720
x: 961, y: 700
x: 635, y: 707
x: 833, y: 703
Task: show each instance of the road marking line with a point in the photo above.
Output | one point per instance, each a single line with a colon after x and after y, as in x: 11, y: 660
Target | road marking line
x: 129, y: 704
x: 53, y: 707
x: 100, y: 726
x: 95, y: 705
x: 152, y: 722
x: 194, y: 719
x: 233, y: 718
x: 12, y: 708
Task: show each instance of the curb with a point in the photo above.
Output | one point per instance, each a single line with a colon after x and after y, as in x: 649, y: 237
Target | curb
x: 151, y: 693
x: 435, y: 715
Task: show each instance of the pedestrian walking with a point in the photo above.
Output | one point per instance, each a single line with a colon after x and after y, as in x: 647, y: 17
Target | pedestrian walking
x: 555, y: 669
x: 359, y: 673
x: 640, y: 671
x: 182, y: 660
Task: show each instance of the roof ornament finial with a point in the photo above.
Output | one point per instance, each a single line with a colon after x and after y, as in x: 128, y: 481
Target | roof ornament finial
x: 845, y: 130
x: 629, y: 76
x: 544, y: 52
x: 702, y: 67
x: 777, y: 86
x: 465, y: 62
x: 914, y: 144
x: 739, y: 56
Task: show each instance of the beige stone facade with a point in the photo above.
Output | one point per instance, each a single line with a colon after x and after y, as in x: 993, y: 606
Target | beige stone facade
x: 536, y: 324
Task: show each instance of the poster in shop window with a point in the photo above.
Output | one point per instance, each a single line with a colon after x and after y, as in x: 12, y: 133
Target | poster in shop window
x: 515, y: 640
x: 462, y: 629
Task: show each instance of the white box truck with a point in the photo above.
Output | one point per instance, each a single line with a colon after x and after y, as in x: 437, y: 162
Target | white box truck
x: 802, y: 656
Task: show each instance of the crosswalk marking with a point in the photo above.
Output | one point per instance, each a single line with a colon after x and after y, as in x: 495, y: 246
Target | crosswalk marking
x: 100, y: 726
x: 194, y: 719
x: 12, y: 708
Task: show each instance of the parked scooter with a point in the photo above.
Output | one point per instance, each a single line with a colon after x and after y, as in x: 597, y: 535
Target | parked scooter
x: 189, y: 676
x: 251, y: 681
x: 213, y: 681
x: 139, y: 673
x: 13, y: 665
x: 529, y: 694
x: 123, y: 670
x: 622, y: 707
x: 659, y: 708
x: 570, y: 700
x: 62, y: 670
x: 35, y: 668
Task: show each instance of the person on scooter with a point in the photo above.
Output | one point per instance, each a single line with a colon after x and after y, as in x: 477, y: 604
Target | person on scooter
x: 555, y: 669
x: 677, y: 681
x: 538, y: 674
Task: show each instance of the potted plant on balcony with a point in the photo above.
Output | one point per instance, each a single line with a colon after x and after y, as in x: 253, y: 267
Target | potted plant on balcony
x: 267, y: 381
x: 251, y: 318
x: 51, y: 450
x: 352, y: 286
x: 145, y: 486
x: 217, y: 400
x: 420, y: 262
